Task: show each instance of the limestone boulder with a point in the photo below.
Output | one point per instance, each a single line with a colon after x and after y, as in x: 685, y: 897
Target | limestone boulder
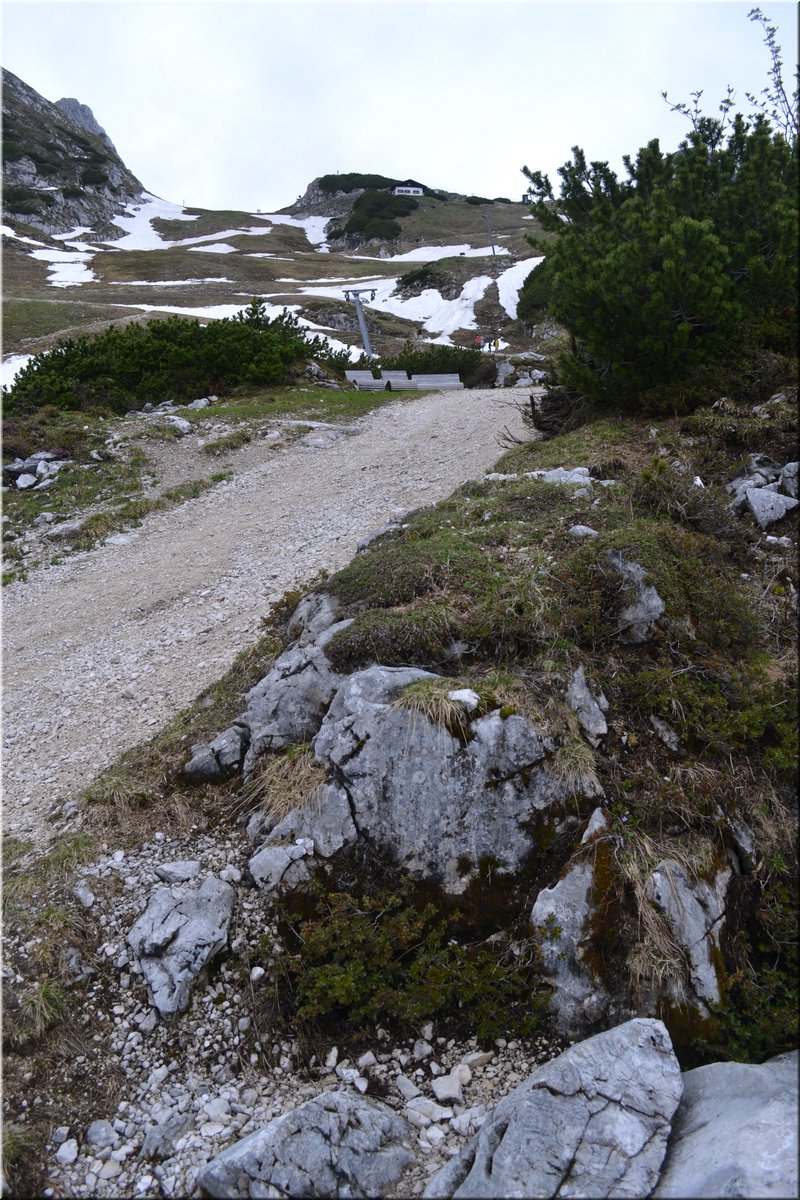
x: 695, y: 912
x: 439, y: 803
x: 278, y: 868
x: 337, y: 1145
x: 639, y: 618
x: 590, y: 710
x: 767, y: 506
x: 562, y: 918
x: 735, y: 1133
x: 288, y: 704
x: 216, y: 761
x: 178, y: 933
x: 592, y: 1122
x: 325, y: 820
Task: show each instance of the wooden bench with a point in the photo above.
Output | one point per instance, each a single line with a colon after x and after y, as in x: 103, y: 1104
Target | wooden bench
x: 365, y: 381
x: 436, y: 382
x: 396, y: 378
x: 389, y: 381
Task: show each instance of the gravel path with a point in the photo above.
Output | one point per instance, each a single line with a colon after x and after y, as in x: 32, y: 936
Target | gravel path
x: 101, y: 651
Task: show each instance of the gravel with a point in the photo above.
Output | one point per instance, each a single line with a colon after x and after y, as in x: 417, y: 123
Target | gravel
x: 102, y: 650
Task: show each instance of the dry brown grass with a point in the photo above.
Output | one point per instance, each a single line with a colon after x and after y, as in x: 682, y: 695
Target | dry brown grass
x: 280, y: 783
x: 656, y: 963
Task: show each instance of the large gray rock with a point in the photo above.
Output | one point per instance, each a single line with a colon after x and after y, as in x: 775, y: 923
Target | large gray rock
x: 159, y: 1140
x: 562, y: 917
x: 694, y: 911
x: 438, y: 803
x: 592, y: 1122
x: 768, y: 507
x: 589, y: 709
x: 788, y: 479
x: 638, y: 620
x: 288, y: 704
x: 735, y: 1132
x: 214, y: 762
x: 281, y: 868
x: 335, y: 1145
x: 315, y: 613
x: 176, y: 935
x: 325, y: 819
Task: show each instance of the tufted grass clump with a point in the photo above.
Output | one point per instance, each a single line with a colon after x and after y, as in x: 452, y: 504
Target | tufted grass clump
x: 433, y: 700
x: 282, y: 782
x: 401, y: 569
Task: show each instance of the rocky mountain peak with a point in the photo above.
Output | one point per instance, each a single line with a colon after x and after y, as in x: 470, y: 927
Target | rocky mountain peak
x: 81, y: 114
x: 60, y: 168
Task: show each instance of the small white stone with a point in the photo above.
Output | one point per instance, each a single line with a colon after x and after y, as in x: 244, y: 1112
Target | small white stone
x: 436, y: 1112
x: 256, y: 974
x: 211, y: 1128
x: 366, y: 1060
x: 67, y: 1152
x: 422, y: 1049
x: 447, y: 1089
x: 406, y: 1088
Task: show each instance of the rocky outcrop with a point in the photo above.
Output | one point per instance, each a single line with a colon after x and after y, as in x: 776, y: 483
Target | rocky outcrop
x: 694, y: 911
x: 765, y: 488
x: 439, y: 804
x: 590, y: 710
x: 335, y: 1145
x: 562, y: 917
x: 284, y: 708
x: 638, y: 619
x: 594, y: 1121
x: 735, y: 1133
x: 60, y: 169
x: 288, y: 705
x: 81, y: 115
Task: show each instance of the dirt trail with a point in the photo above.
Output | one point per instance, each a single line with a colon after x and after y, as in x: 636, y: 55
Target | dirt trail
x: 99, y: 652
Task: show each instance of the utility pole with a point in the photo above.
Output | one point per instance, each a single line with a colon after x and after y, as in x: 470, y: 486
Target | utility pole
x: 356, y: 294
x: 488, y: 221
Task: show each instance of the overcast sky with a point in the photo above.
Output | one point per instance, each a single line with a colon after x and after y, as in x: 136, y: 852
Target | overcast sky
x: 241, y: 104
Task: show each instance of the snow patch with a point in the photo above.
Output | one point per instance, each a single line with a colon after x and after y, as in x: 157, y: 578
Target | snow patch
x: 432, y: 253
x: 168, y: 283
x: 314, y: 226
x: 510, y: 282
x: 216, y: 248
x: 67, y: 268
x: 12, y: 366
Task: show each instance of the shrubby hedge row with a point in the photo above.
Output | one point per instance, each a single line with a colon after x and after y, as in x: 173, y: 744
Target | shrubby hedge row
x: 173, y: 359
